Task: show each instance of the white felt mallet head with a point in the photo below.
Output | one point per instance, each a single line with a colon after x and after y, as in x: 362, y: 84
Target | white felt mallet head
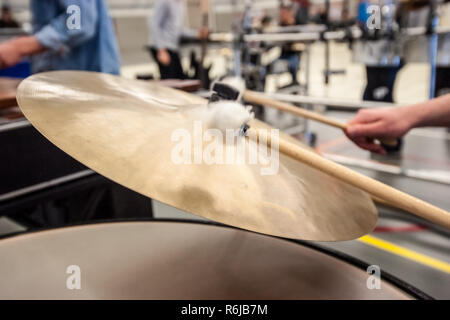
x: 229, y: 115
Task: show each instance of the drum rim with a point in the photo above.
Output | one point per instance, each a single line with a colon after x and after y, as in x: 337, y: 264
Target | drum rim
x: 360, y: 264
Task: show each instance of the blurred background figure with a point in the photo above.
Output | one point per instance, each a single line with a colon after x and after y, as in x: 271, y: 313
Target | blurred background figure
x: 287, y: 14
x: 363, y: 13
x: 379, y: 50
x: 287, y: 17
x: 420, y: 49
x: 54, y: 46
x: 7, y: 20
x: 166, y: 29
x: 302, y: 12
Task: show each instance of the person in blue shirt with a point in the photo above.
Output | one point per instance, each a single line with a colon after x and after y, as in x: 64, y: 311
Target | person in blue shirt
x: 67, y: 35
x: 363, y: 14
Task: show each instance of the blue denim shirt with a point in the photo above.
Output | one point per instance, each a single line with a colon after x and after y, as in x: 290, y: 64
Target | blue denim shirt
x: 92, y: 47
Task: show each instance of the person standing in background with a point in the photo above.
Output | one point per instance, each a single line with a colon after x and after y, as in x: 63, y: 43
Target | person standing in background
x: 380, y: 49
x: 363, y: 14
x: 302, y: 14
x: 166, y: 30
x: 7, y: 20
x: 56, y: 45
x: 287, y: 18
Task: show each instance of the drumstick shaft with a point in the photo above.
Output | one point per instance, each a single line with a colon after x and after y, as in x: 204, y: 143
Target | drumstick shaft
x: 373, y: 187
x: 258, y: 98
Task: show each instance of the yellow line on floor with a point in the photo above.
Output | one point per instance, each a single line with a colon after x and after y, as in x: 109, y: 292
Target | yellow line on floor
x: 406, y: 253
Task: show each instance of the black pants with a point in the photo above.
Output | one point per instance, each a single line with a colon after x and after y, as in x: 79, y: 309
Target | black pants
x: 442, y: 81
x: 380, y: 83
x: 172, y: 71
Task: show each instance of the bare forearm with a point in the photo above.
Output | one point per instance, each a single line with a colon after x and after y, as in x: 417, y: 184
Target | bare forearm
x: 433, y: 113
x: 13, y: 51
x: 395, y: 122
x: 28, y: 45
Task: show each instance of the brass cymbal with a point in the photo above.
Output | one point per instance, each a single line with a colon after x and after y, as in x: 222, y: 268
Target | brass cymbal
x: 123, y: 129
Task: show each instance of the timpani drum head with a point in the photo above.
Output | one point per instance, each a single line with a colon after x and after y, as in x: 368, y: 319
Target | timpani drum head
x: 175, y: 260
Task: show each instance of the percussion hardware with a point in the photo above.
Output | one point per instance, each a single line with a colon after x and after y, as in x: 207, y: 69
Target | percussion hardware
x: 223, y: 91
x: 14, y: 125
x: 433, y: 22
x: 243, y: 130
x: 327, y: 44
x: 296, y: 28
x: 204, y: 77
x: 45, y: 185
x: 354, y: 32
x: 334, y: 103
x: 373, y: 187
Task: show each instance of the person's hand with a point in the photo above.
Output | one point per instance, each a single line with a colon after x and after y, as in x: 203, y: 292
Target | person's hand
x: 370, y: 124
x: 203, y: 33
x: 10, y: 54
x: 12, y: 51
x: 163, y: 57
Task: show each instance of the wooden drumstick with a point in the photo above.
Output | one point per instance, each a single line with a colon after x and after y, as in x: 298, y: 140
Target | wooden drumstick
x: 254, y: 97
x: 372, y: 186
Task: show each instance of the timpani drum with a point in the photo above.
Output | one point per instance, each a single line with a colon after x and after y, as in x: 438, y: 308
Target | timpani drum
x: 179, y: 260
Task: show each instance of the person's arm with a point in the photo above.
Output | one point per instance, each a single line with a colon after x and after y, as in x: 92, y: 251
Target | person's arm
x: 13, y: 51
x: 55, y: 36
x: 396, y: 122
x: 157, y: 24
x: 434, y: 113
